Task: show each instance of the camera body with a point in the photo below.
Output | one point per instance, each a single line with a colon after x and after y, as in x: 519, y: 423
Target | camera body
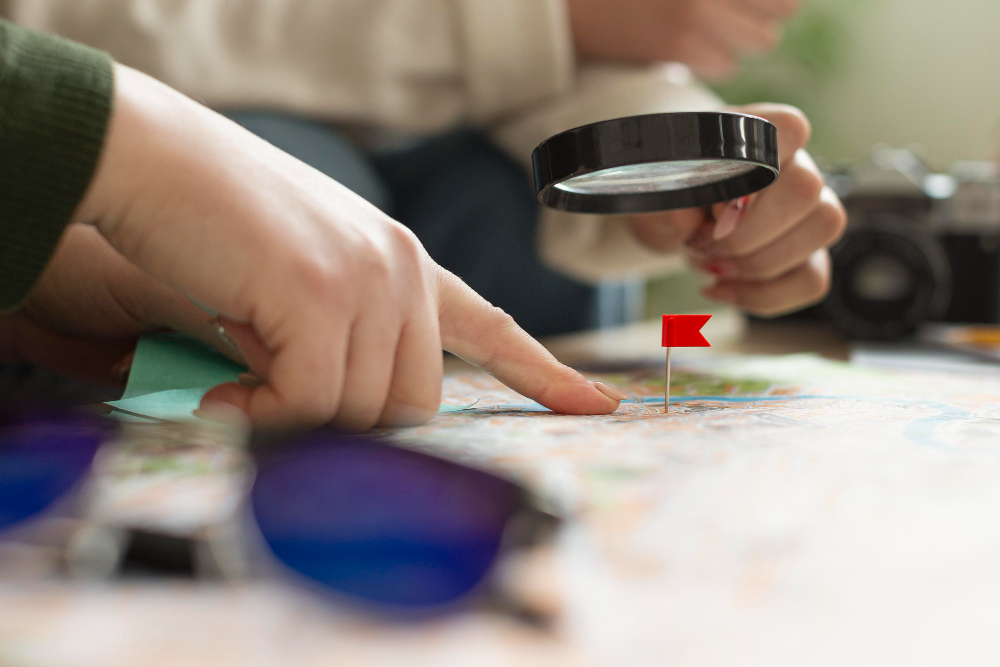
x: 920, y: 246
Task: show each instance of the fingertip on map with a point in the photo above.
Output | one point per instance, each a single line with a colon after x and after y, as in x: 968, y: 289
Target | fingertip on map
x: 610, y: 392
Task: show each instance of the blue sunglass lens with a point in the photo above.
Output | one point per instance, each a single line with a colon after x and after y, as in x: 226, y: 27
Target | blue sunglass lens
x: 380, y: 523
x: 42, y: 456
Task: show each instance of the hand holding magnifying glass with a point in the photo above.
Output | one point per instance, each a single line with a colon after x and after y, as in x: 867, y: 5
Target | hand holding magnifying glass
x: 767, y: 250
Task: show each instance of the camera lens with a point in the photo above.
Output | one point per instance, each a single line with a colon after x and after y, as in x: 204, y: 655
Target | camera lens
x: 882, y: 277
x: 889, y: 275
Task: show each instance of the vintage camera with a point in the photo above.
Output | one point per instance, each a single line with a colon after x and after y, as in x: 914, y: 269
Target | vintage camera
x: 920, y: 246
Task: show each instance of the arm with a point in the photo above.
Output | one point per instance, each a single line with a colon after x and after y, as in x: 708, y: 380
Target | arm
x: 774, y: 262
x: 64, y: 287
x: 589, y: 247
x: 414, y: 65
x: 335, y: 305
x: 55, y: 101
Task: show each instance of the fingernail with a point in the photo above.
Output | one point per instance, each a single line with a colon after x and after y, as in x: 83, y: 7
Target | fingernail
x: 723, y: 268
x: 250, y: 380
x: 610, y: 392
x: 221, y: 412
x: 721, y: 293
x: 123, y: 368
x: 730, y: 217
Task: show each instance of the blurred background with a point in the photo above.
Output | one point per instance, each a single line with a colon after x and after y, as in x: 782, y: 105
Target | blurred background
x: 892, y: 71
x: 868, y: 72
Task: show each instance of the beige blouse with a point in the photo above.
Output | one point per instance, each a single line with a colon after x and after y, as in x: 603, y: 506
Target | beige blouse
x: 411, y: 66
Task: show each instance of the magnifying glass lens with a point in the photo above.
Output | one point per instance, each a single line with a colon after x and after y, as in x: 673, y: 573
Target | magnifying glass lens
x: 655, y: 177
x: 656, y: 162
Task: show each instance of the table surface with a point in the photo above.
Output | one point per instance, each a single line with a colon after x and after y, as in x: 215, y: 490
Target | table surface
x: 827, y: 516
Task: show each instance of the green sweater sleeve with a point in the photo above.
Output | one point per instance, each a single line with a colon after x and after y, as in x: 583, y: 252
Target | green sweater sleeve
x: 55, y: 101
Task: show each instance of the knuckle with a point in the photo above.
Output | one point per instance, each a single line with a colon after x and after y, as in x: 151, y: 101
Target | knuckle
x: 801, y: 124
x: 792, y: 123
x: 808, y: 183
x: 404, y: 240
x: 759, y: 270
x: 318, y: 279
x: 338, y: 281
x: 497, y: 319
x: 817, y: 284
x: 377, y: 269
x: 409, y: 253
x: 832, y: 221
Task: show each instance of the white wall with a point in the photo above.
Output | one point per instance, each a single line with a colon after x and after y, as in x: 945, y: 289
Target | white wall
x: 923, y: 71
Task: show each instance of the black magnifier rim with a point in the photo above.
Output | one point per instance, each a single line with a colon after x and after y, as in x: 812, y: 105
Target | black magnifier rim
x: 660, y: 137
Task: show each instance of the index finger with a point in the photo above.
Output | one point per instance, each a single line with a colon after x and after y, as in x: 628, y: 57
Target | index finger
x: 484, y: 335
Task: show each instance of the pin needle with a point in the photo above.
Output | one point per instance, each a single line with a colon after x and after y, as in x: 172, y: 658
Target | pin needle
x: 666, y: 385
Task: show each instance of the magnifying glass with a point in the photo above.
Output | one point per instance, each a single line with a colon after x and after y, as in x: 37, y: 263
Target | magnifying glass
x: 656, y: 162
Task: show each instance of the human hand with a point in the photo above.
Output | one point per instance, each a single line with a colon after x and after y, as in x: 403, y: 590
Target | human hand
x: 337, y: 306
x: 770, y: 257
x: 707, y: 35
x: 83, y: 317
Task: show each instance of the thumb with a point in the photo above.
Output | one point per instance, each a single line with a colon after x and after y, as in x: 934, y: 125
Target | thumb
x: 793, y: 131
x: 666, y: 231
x: 792, y: 125
x: 484, y: 335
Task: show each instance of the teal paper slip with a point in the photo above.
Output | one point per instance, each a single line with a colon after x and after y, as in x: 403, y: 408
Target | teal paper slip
x: 172, y: 372
x: 166, y: 361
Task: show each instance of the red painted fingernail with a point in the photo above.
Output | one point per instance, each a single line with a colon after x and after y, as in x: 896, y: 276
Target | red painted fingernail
x: 721, y: 268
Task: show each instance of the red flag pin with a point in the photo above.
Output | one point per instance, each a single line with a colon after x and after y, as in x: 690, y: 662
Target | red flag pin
x: 681, y: 331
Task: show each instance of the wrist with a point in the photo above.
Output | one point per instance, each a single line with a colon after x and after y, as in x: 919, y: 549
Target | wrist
x: 132, y: 155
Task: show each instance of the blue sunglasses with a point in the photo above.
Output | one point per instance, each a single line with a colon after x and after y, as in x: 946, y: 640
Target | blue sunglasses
x: 375, y: 523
